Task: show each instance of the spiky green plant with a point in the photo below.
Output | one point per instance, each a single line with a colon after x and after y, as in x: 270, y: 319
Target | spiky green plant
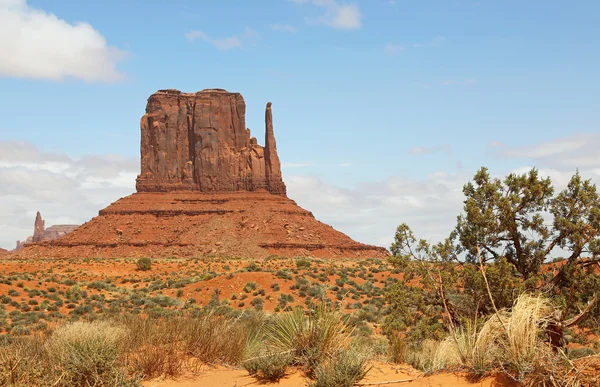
x: 311, y: 338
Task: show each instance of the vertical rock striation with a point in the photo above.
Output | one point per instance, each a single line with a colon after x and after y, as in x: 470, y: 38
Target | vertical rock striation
x: 199, y: 142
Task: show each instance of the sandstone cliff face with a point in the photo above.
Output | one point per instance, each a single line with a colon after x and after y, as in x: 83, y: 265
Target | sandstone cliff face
x: 199, y: 142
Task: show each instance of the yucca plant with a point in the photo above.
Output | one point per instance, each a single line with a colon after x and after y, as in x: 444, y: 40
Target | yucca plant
x: 311, y: 338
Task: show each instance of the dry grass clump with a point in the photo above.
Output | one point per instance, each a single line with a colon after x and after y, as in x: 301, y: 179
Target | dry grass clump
x: 511, y: 340
x: 76, y: 354
x: 21, y: 361
x: 164, y: 346
x: 86, y: 354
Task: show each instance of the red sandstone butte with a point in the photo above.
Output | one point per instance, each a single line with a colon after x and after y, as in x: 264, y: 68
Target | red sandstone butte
x: 206, y: 188
x: 199, y: 142
x: 3, y: 252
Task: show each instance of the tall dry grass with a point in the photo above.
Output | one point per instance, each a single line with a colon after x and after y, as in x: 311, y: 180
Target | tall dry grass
x: 167, y: 346
x: 512, y: 340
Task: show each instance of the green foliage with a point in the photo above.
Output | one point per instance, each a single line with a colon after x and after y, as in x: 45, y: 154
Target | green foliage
x: 303, y: 263
x: 144, y: 264
x: 505, y: 219
x: 250, y: 286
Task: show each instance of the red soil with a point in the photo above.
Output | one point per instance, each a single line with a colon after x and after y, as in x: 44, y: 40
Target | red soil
x: 380, y: 373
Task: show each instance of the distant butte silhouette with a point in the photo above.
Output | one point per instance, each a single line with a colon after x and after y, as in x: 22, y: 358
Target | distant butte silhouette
x: 205, y: 188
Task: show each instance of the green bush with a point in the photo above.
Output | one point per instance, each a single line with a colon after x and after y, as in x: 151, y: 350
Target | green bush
x: 269, y: 367
x: 250, y: 286
x: 344, y: 370
x: 144, y: 264
x: 303, y: 263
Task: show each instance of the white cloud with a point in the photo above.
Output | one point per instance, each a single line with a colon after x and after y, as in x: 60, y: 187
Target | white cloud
x: 249, y: 36
x: 434, y: 42
x: 393, y: 49
x: 371, y: 212
x: 460, y: 82
x: 65, y: 190
x: 567, y: 153
x: 284, y: 27
x: 40, y: 45
x: 338, y: 15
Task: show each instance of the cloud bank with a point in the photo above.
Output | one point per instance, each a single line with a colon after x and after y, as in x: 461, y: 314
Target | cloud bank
x: 65, y: 190
x: 40, y: 45
x: 70, y: 190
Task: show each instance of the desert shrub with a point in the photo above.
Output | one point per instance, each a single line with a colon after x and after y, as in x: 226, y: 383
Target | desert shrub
x: 86, y: 353
x: 22, y: 361
x: 268, y: 366
x: 258, y: 303
x: 397, y: 349
x: 252, y: 267
x: 421, y: 356
x: 144, y: 264
x: 283, y: 274
x: 250, y: 286
x: 344, y: 370
x: 303, y: 263
x: 150, y: 361
x: 218, y: 339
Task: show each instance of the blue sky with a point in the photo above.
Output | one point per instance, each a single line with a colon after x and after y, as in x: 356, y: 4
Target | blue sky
x: 378, y: 105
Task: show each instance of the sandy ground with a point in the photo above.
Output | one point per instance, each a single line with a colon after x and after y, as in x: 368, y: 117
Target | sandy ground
x: 403, y: 375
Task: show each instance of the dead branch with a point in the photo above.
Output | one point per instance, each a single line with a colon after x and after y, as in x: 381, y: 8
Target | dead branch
x: 390, y: 382
x: 575, y: 320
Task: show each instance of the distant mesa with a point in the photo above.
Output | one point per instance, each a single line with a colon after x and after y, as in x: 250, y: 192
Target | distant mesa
x: 205, y: 188
x: 3, y: 252
x: 41, y: 233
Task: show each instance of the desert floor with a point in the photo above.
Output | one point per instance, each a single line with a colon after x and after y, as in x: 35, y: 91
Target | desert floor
x: 381, y: 372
